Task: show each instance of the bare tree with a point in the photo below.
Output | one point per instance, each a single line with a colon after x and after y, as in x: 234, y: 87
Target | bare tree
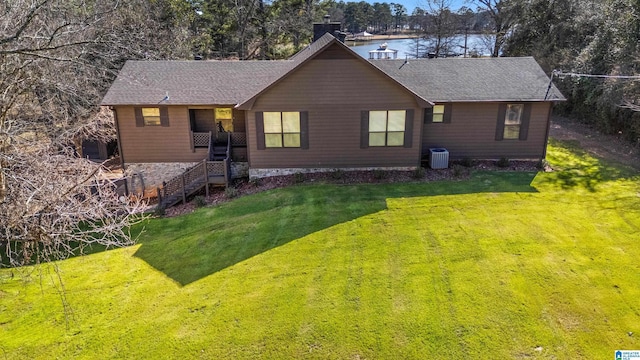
x: 504, y: 15
x: 441, y: 30
x: 57, y: 58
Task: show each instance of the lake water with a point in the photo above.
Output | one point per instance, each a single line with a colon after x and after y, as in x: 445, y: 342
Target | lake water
x: 407, y: 47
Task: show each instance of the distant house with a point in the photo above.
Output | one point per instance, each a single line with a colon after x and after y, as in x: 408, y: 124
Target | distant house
x: 327, y: 108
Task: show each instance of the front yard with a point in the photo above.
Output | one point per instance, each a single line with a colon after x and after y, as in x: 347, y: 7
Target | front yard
x: 503, y: 265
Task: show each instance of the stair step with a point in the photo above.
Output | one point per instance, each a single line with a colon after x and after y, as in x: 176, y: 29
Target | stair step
x: 197, y: 183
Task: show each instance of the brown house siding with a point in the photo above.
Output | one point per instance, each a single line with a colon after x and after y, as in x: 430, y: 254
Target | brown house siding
x: 157, y: 143
x: 334, y: 92
x: 472, y: 133
x: 239, y: 121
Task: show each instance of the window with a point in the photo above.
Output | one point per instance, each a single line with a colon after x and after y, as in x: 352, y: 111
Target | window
x: 386, y: 128
x: 513, y: 121
x: 281, y: 129
x: 438, y: 114
x: 224, y: 117
x: 151, y: 116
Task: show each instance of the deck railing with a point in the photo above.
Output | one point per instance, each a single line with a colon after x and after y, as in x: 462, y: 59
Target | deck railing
x: 179, y: 184
x: 196, y: 177
x: 201, y: 139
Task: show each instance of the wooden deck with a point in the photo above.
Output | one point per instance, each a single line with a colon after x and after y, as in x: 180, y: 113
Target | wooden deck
x: 215, y: 169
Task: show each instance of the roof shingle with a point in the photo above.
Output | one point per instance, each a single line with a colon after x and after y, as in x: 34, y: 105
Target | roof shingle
x: 472, y: 80
x: 235, y: 82
x: 191, y: 82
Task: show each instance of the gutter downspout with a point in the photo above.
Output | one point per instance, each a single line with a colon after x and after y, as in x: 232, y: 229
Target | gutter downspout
x: 546, y: 135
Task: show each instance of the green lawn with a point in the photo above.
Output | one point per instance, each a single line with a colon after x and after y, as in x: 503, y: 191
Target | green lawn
x: 503, y: 265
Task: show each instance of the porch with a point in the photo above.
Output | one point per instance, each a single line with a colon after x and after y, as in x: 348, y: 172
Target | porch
x: 210, y: 127
x: 216, y: 143
x: 211, y: 133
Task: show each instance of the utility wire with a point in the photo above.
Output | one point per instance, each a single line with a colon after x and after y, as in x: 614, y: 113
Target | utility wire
x: 627, y: 77
x: 561, y: 74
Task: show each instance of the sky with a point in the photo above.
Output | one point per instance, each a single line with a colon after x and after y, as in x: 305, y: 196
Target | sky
x: 412, y: 4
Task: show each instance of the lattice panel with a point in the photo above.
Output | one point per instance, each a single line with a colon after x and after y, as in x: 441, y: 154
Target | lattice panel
x: 201, y: 139
x: 215, y: 167
x: 238, y: 138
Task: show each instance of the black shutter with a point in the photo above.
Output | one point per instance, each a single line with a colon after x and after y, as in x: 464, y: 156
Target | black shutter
x: 447, y: 113
x: 304, y: 129
x: 164, y: 116
x: 139, y: 117
x: 260, y: 130
x: 428, y: 115
x: 408, y: 129
x: 502, y: 111
x: 364, y: 129
x: 524, y: 123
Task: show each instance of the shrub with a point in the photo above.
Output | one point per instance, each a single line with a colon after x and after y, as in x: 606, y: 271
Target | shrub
x: 379, y: 174
x: 503, y: 162
x: 458, y: 170
x: 159, y: 211
x: 467, y: 162
x: 230, y: 192
x: 298, y: 178
x: 199, y: 201
x: 255, y: 182
x: 418, y: 173
x: 337, y: 174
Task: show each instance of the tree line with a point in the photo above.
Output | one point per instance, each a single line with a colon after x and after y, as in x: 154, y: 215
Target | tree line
x: 592, y: 37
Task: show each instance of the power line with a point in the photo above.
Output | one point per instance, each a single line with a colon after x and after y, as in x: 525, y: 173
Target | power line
x: 561, y: 74
x: 571, y: 74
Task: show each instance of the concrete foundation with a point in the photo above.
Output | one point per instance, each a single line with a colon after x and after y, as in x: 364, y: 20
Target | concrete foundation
x: 144, y: 178
x: 262, y: 173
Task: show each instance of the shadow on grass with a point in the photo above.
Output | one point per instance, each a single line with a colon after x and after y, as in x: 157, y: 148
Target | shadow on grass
x: 578, y: 169
x: 193, y: 246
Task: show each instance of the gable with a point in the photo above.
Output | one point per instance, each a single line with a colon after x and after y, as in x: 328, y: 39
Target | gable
x: 341, y: 80
x: 335, y: 52
x: 329, y: 48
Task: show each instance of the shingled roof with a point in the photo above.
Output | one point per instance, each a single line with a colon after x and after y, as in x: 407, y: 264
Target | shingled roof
x: 192, y: 82
x: 238, y: 82
x: 473, y: 80
x: 201, y: 82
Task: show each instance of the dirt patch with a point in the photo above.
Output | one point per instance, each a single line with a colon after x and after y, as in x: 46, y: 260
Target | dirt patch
x: 608, y: 147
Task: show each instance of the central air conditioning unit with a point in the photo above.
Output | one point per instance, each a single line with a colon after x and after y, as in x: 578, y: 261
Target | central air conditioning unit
x: 438, y: 158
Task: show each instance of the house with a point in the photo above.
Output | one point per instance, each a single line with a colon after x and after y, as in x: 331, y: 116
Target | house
x: 323, y: 109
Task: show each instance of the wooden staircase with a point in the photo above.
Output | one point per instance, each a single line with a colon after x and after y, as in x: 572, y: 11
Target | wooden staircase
x: 215, y: 169
x: 218, y: 153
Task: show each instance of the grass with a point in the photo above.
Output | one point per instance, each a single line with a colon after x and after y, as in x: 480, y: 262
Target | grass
x: 504, y: 265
